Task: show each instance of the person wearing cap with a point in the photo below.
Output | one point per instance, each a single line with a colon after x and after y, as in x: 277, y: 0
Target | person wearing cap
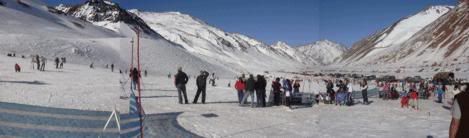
x: 181, y: 80
x: 201, y: 82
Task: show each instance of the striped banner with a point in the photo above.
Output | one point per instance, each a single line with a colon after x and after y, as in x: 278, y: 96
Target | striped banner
x: 19, y: 120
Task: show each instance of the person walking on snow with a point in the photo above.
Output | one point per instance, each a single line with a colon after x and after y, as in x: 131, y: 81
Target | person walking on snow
x: 17, y: 68
x: 364, y: 88
x: 43, y: 63
x: 250, y: 87
x: 62, y: 61
x: 180, y: 81
x: 330, y: 90
x: 440, y: 91
x: 349, y: 92
x: 135, y: 76
x: 240, y: 86
x: 57, y: 62
x: 288, y: 92
x: 201, y: 82
x: 112, y: 67
x: 38, y: 62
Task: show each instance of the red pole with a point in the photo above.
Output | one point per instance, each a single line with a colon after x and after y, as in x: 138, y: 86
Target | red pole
x: 132, y: 54
x: 140, y: 81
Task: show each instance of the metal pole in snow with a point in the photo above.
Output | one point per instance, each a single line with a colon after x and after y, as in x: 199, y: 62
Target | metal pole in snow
x: 132, y: 54
x: 140, y: 81
x: 139, y: 100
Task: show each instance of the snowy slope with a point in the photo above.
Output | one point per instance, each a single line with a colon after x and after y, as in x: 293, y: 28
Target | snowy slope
x: 445, y: 42
x: 84, y: 43
x: 376, y: 48
x: 78, y: 87
x: 240, y: 52
x: 325, y: 51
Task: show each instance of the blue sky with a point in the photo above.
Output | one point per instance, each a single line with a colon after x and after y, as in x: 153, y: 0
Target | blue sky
x: 296, y: 22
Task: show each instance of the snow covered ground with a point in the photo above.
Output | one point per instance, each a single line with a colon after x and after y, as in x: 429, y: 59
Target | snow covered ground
x: 79, y: 87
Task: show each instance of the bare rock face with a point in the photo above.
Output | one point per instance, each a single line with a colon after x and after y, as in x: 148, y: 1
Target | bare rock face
x: 106, y: 11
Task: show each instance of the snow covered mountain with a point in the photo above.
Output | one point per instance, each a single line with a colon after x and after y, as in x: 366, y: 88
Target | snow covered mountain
x: 214, y: 45
x: 322, y: 52
x: 383, y: 46
x: 325, y: 51
x: 109, y: 15
x: 444, y: 42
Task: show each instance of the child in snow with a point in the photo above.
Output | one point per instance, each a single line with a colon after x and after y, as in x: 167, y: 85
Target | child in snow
x: 17, y: 68
x: 405, y: 101
x: 413, y: 95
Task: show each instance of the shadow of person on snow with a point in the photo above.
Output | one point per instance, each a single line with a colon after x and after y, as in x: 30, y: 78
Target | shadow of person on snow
x: 165, y: 125
x: 159, y: 96
x: 35, y: 82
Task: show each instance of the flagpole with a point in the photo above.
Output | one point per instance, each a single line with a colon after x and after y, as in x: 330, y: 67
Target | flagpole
x: 139, y: 83
x: 132, y: 54
x: 139, y: 99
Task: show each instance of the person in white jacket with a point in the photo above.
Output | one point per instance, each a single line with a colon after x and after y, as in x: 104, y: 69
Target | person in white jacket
x: 349, y: 92
x: 364, y: 88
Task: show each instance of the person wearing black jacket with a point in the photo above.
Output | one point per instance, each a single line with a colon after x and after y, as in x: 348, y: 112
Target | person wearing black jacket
x: 135, y: 76
x: 260, y: 90
x: 180, y: 81
x: 201, y: 86
x: 57, y: 62
x: 330, y: 90
x: 250, y: 87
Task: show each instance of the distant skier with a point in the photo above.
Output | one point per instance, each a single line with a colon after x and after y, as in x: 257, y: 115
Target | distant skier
x: 17, y: 68
x: 43, y: 63
x: 38, y: 62
x: 169, y: 76
x: 146, y: 73
x: 57, y: 62
x: 180, y: 81
x: 62, y: 63
x: 135, y: 76
x: 201, y: 82
x: 92, y: 67
x: 64, y: 60
x: 112, y: 67
x: 212, y: 79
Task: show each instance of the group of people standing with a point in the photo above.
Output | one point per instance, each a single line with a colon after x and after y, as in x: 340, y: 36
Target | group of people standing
x: 256, y: 87
x: 180, y: 81
x: 41, y: 61
x: 343, y: 94
x: 252, y: 87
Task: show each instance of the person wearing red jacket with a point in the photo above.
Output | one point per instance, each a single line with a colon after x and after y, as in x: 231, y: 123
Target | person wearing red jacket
x: 276, y: 91
x: 240, y: 85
